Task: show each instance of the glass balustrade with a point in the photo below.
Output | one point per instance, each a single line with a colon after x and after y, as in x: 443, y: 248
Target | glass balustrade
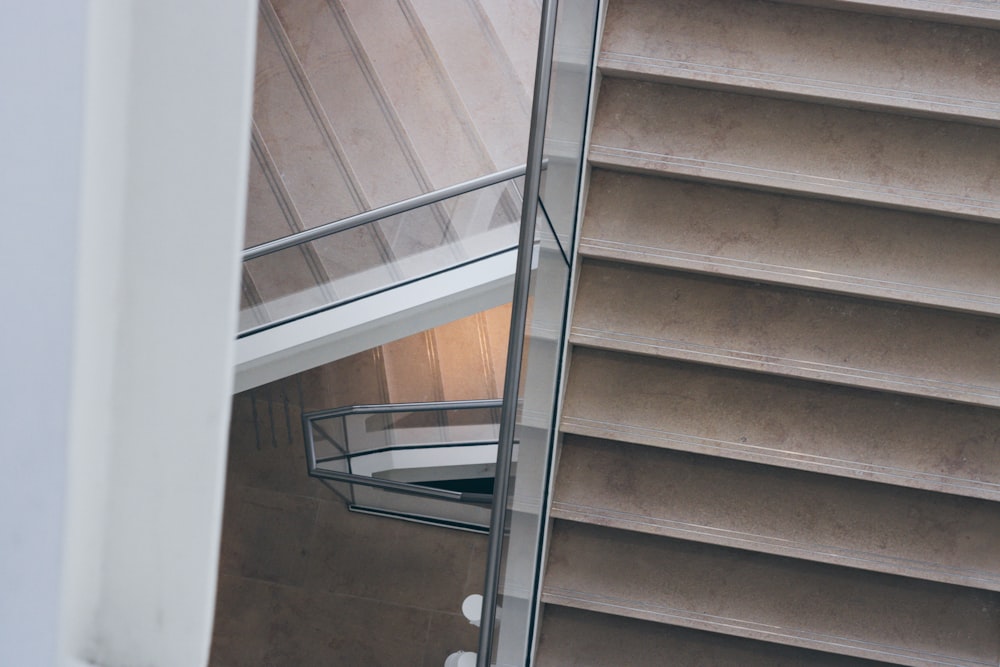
x: 520, y: 542
x: 430, y: 462
x: 361, y: 256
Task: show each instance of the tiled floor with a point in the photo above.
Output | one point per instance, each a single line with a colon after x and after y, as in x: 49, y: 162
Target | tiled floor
x: 304, y: 582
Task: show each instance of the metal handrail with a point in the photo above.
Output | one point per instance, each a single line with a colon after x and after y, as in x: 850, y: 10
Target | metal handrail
x: 377, y: 214
x: 406, y: 448
x: 518, y: 320
x: 428, y: 406
x: 403, y: 487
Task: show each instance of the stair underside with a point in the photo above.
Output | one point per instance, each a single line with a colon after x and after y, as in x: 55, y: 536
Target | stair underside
x: 796, y: 333
x: 982, y: 13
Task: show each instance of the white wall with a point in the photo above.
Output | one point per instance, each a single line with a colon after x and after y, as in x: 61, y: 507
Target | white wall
x: 126, y: 130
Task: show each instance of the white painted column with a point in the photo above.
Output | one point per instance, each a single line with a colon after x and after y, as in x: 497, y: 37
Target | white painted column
x: 41, y: 84
x: 125, y: 173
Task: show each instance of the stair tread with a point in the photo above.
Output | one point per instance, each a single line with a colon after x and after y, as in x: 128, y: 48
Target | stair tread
x: 793, y: 146
x: 771, y: 598
x: 586, y: 639
x: 905, y: 441
x: 833, y: 246
x: 961, y: 12
x: 878, y: 345
x: 779, y: 511
x: 846, y: 58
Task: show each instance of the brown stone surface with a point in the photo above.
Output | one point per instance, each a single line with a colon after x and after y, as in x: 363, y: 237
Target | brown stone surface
x: 751, y: 595
x: 845, y: 57
x: 775, y: 510
x: 893, y: 439
x: 789, y: 332
x: 586, y: 639
x: 828, y: 151
x: 782, y: 411
x: 796, y: 241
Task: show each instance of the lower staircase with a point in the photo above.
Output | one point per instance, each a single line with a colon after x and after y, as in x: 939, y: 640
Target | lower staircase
x: 781, y: 423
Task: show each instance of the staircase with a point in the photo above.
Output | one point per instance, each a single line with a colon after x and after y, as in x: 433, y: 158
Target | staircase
x: 781, y: 423
x: 363, y: 103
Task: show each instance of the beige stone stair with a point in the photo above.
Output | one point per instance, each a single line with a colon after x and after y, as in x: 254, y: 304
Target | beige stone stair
x: 803, y: 334
x: 795, y: 241
x: 836, y: 430
x: 983, y: 13
x: 756, y: 596
x: 846, y: 58
x: 779, y: 511
x: 781, y: 420
x: 858, y: 155
x: 587, y: 639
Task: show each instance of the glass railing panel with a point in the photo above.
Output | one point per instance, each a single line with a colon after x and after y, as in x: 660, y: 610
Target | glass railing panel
x: 566, y: 122
x: 416, y: 508
x: 318, y: 274
x: 432, y: 462
x: 329, y: 438
x: 534, y: 432
x: 282, y: 284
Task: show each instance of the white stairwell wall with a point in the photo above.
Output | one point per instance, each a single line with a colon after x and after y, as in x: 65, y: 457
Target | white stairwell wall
x: 124, y: 193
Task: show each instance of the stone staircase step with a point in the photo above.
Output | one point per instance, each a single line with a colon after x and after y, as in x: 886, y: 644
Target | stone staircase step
x: 844, y: 58
x: 779, y: 511
x: 960, y: 12
x: 584, y: 639
x: 780, y: 430
x: 302, y: 172
x: 793, y: 146
x: 835, y: 430
x: 794, y: 333
x: 795, y: 241
x: 833, y: 609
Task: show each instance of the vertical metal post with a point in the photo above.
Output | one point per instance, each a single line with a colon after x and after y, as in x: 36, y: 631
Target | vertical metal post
x: 518, y: 320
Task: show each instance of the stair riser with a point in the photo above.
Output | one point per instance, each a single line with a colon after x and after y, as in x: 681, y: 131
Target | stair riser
x: 789, y: 332
x: 779, y: 511
x: 879, y: 253
x: 822, y: 607
x: 864, y: 156
x: 881, y: 62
